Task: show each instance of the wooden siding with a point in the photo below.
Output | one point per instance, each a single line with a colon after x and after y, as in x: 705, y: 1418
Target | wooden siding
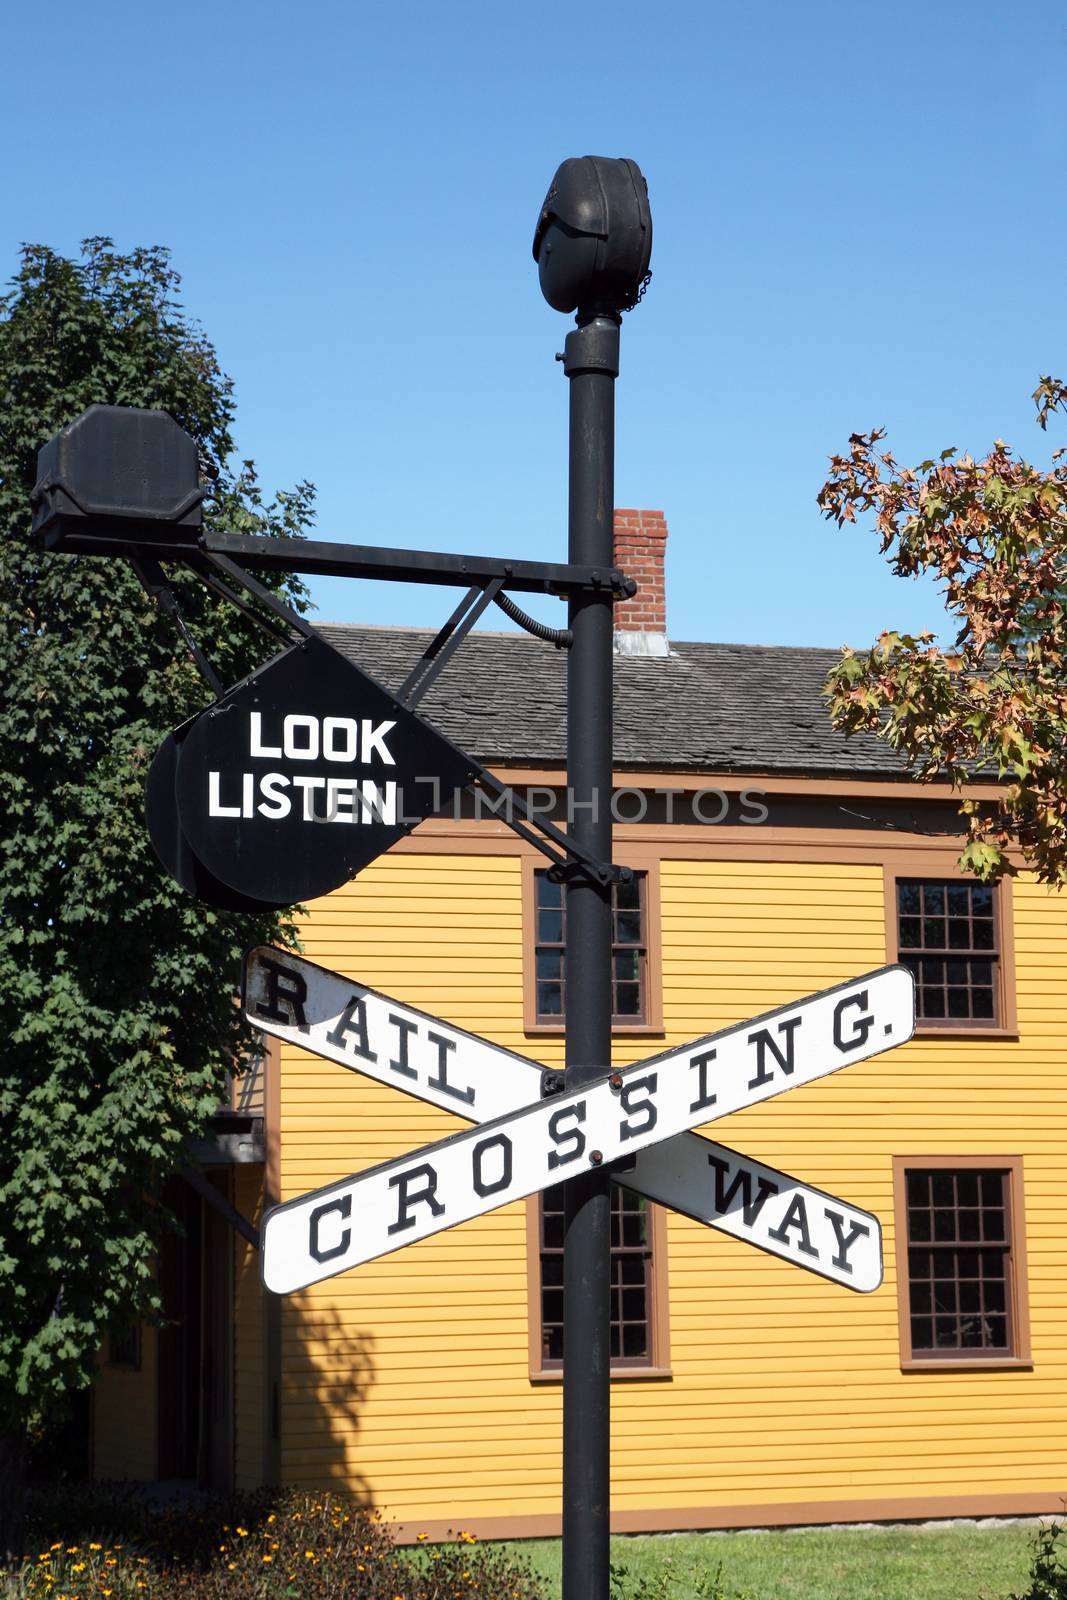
x: 407, y: 1379
x: 249, y: 1344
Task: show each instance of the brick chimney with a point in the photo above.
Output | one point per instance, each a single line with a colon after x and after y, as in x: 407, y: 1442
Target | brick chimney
x: 640, y: 546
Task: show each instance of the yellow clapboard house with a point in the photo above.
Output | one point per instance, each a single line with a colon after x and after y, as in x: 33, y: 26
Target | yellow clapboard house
x: 772, y: 859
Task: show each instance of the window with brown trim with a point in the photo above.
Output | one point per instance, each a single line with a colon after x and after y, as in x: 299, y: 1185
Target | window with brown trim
x: 961, y: 1262
x: 947, y: 935
x: 955, y: 935
x: 635, y: 992
x: 639, y: 1331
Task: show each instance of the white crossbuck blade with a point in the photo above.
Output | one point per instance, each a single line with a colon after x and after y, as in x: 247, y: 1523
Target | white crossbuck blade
x: 637, y: 1114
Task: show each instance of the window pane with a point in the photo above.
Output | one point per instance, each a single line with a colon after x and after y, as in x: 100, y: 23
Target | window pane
x: 932, y: 1002
x: 634, y: 1341
x: 549, y: 999
x: 549, y: 894
x: 911, y: 932
x: 922, y: 1333
x: 909, y: 899
x: 934, y: 933
x: 627, y: 896
x: 549, y: 927
x: 933, y: 899
x: 959, y: 899
x: 628, y: 927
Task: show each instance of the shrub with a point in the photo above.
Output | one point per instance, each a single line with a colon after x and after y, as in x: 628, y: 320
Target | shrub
x: 118, y: 1545
x: 1048, y: 1575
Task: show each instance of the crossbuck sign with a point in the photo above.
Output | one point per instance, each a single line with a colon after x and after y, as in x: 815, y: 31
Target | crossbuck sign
x: 644, y: 1111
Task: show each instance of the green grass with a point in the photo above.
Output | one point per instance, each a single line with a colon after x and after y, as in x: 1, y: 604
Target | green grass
x: 955, y: 1563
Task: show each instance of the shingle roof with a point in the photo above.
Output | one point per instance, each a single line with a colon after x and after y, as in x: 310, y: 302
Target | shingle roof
x: 720, y: 707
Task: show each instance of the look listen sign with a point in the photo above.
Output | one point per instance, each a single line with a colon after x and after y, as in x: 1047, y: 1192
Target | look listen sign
x: 300, y: 775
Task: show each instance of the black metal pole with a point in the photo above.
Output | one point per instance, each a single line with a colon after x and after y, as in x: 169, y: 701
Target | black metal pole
x: 591, y: 363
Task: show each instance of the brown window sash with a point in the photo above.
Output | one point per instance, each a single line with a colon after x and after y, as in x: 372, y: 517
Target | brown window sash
x: 948, y: 935
x: 629, y: 951
x: 961, y: 1262
x: 631, y: 1280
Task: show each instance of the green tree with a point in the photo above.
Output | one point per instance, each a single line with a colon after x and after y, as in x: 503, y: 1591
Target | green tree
x: 116, y: 990
x: 995, y: 532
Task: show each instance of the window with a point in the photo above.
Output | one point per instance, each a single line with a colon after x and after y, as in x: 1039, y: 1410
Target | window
x: 635, y: 1002
x: 639, y: 1334
x: 955, y: 936
x: 961, y: 1262
x: 124, y: 1347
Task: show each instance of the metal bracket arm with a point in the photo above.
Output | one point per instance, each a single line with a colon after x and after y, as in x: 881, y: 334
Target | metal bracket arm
x: 568, y: 859
x: 322, y: 559
x: 240, y: 1223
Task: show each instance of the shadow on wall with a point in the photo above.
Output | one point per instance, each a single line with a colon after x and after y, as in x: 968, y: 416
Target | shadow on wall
x: 327, y: 1371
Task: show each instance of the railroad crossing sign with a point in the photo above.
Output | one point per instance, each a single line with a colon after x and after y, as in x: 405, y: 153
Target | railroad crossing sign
x: 326, y: 1013
x: 621, y: 1115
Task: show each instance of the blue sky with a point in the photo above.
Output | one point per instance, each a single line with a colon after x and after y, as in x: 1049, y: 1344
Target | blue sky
x: 859, y: 220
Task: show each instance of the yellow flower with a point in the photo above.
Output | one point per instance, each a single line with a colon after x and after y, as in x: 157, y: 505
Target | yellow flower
x: 79, y: 1566
x: 268, y: 1558
x: 242, y: 1533
x: 230, y: 1565
x: 72, y: 1549
x: 57, y: 1546
x: 272, y: 1517
x: 107, y: 1591
x: 423, y: 1536
x: 96, y: 1547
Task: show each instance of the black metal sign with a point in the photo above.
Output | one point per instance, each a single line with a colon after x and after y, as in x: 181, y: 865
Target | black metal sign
x: 294, y: 780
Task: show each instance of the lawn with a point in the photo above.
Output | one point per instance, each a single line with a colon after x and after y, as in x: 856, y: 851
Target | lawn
x: 984, y: 1562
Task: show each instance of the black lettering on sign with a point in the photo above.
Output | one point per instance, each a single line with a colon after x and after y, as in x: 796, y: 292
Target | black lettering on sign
x: 740, y: 1184
x: 496, y: 1141
x: 796, y: 1217
x: 407, y: 1196
x: 703, y: 1097
x: 353, y: 1020
x: 326, y: 1252
x: 763, y: 1041
x: 560, y: 1136
x: 859, y: 1230
x: 284, y: 986
x: 634, y: 1106
x: 861, y: 1026
x: 441, y: 1081
x: 401, y: 1064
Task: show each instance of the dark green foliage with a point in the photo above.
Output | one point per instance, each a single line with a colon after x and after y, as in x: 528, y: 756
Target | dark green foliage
x: 98, y: 1540
x: 1048, y: 1574
x: 116, y: 991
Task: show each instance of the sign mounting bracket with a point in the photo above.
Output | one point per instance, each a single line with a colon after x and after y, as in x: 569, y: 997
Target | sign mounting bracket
x: 439, y: 651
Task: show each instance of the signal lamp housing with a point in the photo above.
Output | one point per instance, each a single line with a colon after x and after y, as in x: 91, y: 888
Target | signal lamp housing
x: 593, y: 241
